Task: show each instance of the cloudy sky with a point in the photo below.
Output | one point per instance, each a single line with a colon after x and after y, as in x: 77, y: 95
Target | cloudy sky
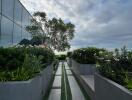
x: 100, y: 23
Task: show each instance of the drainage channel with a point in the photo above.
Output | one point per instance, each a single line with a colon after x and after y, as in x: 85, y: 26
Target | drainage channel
x: 66, y: 92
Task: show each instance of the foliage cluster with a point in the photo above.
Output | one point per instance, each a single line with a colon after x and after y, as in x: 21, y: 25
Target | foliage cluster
x: 86, y: 55
x: 53, y: 32
x: 22, y: 63
x: 61, y: 57
x: 116, y: 65
x: 69, y: 54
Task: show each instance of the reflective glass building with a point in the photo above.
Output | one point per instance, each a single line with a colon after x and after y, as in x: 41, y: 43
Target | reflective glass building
x: 13, y: 20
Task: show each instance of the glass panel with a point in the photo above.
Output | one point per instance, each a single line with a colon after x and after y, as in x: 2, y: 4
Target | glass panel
x: 16, y: 34
x: 24, y: 34
x: 7, y: 8
x: 25, y: 18
x: 0, y: 27
x: 18, y: 12
x: 30, y: 23
x: 30, y: 18
x: 6, y: 32
x: 0, y: 6
x: 29, y: 36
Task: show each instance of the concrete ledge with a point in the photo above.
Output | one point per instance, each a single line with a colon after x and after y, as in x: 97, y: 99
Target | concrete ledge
x: 85, y: 85
x: 83, y: 69
x: 106, y: 89
x: 33, y: 89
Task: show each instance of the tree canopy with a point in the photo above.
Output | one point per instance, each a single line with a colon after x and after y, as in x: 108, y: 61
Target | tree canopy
x: 54, y: 32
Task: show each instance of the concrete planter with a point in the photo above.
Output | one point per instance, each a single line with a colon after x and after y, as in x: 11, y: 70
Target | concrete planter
x: 69, y: 61
x: 106, y: 89
x: 33, y: 89
x: 83, y: 69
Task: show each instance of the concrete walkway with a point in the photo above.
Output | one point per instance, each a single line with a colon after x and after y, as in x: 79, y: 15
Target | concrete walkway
x: 55, y: 93
x: 59, y: 70
x: 75, y: 89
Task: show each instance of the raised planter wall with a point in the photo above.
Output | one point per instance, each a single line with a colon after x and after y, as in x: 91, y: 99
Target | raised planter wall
x: 83, y: 69
x: 69, y: 61
x: 106, y: 89
x: 33, y: 89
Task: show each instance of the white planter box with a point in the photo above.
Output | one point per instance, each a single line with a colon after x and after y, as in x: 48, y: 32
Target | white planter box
x: 83, y: 69
x: 106, y: 89
x: 33, y: 89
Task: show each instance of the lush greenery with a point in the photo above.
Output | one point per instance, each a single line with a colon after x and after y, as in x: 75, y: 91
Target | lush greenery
x: 116, y: 66
x: 69, y: 54
x: 36, y: 40
x: 54, y: 32
x: 61, y: 57
x: 21, y: 63
x: 86, y: 55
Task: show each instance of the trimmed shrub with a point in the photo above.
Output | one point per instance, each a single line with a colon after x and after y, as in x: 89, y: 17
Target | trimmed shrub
x: 86, y: 55
x: 61, y: 57
x: 69, y: 54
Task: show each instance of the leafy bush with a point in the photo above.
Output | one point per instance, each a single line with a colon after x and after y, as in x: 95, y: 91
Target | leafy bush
x: 61, y: 57
x: 116, y: 65
x: 21, y: 63
x: 25, y: 42
x: 69, y: 54
x: 86, y: 55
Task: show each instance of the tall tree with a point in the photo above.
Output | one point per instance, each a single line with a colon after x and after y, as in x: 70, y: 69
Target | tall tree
x: 57, y: 33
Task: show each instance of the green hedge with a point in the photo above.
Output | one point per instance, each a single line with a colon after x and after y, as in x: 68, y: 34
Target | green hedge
x: 86, y: 55
x: 69, y: 54
x: 61, y: 57
x: 21, y: 63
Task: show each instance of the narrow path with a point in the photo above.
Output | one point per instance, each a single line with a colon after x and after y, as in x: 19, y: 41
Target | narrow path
x: 55, y: 93
x: 65, y: 86
x: 75, y: 89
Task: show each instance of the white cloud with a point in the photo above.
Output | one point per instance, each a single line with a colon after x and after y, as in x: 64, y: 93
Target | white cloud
x: 102, y: 23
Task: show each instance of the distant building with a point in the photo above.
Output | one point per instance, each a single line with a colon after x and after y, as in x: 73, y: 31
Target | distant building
x: 13, y: 19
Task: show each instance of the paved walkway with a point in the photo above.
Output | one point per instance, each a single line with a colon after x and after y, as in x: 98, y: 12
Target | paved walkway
x: 75, y: 89
x: 55, y: 93
x: 59, y: 71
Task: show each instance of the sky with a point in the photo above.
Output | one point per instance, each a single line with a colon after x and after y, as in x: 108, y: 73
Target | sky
x: 99, y: 23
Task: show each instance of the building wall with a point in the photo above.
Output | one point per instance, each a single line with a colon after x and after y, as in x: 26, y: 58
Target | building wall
x: 13, y: 20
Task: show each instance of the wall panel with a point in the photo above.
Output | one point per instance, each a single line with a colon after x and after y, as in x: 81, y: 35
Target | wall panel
x: 6, y: 32
x: 18, y: 12
x: 7, y: 8
x: 17, y: 34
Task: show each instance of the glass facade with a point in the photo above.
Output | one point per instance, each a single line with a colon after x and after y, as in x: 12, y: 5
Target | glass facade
x: 13, y: 20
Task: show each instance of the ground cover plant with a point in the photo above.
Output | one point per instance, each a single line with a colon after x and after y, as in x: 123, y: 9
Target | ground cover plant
x: 22, y: 63
x: 117, y: 66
